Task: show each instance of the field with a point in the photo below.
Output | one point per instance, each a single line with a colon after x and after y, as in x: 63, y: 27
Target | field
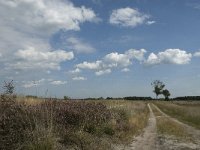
x: 48, y: 124
x: 37, y: 124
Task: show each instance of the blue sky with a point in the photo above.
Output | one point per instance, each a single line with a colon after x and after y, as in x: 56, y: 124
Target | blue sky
x: 95, y: 48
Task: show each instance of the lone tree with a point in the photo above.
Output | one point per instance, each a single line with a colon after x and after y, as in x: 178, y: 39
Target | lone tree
x: 9, y: 87
x: 166, y: 94
x: 158, y: 87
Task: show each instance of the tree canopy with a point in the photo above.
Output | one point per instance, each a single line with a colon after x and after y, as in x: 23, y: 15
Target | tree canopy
x: 158, y: 87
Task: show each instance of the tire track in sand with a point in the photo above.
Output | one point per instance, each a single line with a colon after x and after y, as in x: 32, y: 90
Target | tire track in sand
x: 147, y: 140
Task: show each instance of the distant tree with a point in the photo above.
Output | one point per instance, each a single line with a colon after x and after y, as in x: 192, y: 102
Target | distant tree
x: 108, y: 98
x: 9, y: 87
x: 158, y: 87
x: 66, y: 97
x: 166, y: 94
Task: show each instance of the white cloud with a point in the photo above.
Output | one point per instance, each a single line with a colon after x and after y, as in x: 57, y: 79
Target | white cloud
x: 125, y: 70
x: 79, y: 46
x: 113, y: 60
x: 118, y: 59
x: 152, y: 59
x: 34, y: 83
x: 34, y: 55
x: 136, y: 54
x: 90, y: 65
x: 21, y: 29
x: 128, y: 17
x: 79, y: 78
x: 57, y: 82
x: 197, y: 54
x: 75, y: 71
x: 29, y: 85
x: 150, y: 22
x: 102, y: 72
x: 47, y: 15
x: 169, y: 56
x: 33, y: 59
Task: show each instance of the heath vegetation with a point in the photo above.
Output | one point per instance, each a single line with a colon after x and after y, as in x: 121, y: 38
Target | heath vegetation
x: 68, y: 124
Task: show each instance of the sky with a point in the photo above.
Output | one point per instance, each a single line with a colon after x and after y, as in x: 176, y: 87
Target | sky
x: 100, y: 48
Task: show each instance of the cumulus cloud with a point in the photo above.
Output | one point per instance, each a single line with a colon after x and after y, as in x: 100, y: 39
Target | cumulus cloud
x: 58, y: 82
x: 102, y: 72
x: 197, y: 54
x: 34, y: 27
x: 33, y: 59
x: 136, y: 54
x: 90, y: 65
x: 79, y: 78
x: 113, y: 60
x: 23, y: 30
x: 125, y: 70
x: 128, y: 17
x: 47, y: 15
x: 117, y: 59
x: 34, y: 83
x: 169, y: 56
x: 75, y: 71
x: 79, y: 46
x: 150, y: 22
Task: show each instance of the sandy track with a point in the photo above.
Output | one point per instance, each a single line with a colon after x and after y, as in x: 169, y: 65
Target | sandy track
x: 147, y: 140
x: 151, y: 140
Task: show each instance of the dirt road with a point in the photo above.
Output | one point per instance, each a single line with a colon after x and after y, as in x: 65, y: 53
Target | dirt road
x: 147, y: 140
x: 151, y: 140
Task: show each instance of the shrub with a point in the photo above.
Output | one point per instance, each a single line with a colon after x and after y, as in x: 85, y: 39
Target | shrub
x: 15, y: 124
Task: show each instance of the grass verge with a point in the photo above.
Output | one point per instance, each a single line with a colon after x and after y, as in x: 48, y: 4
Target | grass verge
x: 186, y: 113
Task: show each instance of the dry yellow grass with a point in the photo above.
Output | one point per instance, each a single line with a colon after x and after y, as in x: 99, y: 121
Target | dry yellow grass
x: 167, y: 126
x: 187, y: 113
x: 29, y: 101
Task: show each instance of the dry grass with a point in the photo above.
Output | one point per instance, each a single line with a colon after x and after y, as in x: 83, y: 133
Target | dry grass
x: 169, y: 127
x: 134, y: 117
x: 166, y: 126
x: 155, y: 111
x: 52, y: 124
x: 188, y: 113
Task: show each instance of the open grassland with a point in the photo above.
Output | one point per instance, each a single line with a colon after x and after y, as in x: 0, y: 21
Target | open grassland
x: 167, y: 126
x: 183, y: 111
x: 37, y: 124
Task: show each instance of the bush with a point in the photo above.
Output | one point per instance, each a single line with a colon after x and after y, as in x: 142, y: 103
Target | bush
x: 15, y: 124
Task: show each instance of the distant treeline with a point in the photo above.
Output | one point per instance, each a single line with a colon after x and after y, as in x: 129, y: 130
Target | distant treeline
x: 193, y: 98
x: 187, y: 98
x: 137, y: 98
x: 31, y: 96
